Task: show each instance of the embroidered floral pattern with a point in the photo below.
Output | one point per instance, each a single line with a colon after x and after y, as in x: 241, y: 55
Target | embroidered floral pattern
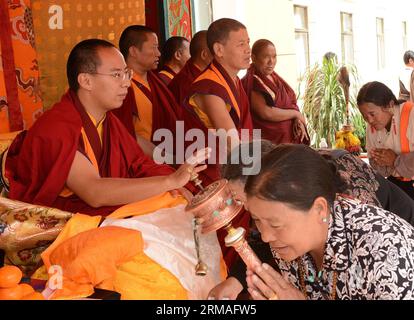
x: 25, y: 255
x: 360, y: 177
x: 372, y: 251
x: 21, y: 216
x: 47, y: 222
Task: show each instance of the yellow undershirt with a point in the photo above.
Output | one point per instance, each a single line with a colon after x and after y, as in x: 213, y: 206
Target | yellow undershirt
x: 66, y: 192
x: 99, y: 126
x: 142, y: 124
x: 212, y: 74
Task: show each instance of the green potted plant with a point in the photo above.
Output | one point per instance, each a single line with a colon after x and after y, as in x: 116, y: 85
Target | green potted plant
x: 329, y: 102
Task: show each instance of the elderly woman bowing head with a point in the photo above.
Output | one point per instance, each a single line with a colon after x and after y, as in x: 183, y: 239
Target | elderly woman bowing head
x: 326, y: 245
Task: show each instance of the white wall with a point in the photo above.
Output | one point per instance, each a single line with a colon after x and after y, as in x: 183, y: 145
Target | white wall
x: 273, y: 19
x: 269, y: 19
x: 325, y: 34
x: 203, y: 14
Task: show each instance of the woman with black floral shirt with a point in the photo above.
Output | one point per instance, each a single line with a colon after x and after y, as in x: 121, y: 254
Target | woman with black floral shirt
x: 326, y: 246
x: 353, y: 257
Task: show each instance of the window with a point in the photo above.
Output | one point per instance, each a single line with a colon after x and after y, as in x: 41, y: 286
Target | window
x: 380, y: 44
x: 404, y: 35
x: 347, y: 41
x: 202, y: 14
x: 301, y: 39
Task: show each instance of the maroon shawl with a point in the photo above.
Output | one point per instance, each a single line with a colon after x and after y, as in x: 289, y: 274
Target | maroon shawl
x: 285, y: 98
x: 205, y: 84
x: 180, y: 85
x: 165, y: 111
x: 166, y: 79
x: 39, y: 159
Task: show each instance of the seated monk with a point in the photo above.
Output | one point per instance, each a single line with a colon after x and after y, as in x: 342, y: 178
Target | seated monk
x: 78, y: 157
x: 200, y: 59
x: 217, y: 100
x: 149, y: 105
x: 272, y: 100
x: 175, y: 54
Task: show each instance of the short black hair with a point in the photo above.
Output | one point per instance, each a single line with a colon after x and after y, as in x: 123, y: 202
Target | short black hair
x: 84, y: 58
x: 260, y: 44
x: 170, y: 47
x: 198, y: 43
x: 134, y: 35
x: 377, y: 93
x: 407, y: 56
x: 219, y: 31
x: 296, y: 175
x: 234, y: 171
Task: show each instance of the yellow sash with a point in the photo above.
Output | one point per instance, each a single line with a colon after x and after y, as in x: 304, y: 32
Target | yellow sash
x: 66, y: 192
x: 143, y: 124
x: 215, y: 75
x: 168, y: 74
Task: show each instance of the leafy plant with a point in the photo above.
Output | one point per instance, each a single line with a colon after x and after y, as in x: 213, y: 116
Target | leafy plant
x: 359, y: 125
x: 324, y: 102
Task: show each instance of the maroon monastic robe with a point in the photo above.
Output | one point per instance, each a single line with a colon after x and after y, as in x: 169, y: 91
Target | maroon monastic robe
x: 166, y: 74
x: 165, y: 111
x: 39, y: 159
x: 180, y: 85
x: 281, y: 95
x: 206, y: 84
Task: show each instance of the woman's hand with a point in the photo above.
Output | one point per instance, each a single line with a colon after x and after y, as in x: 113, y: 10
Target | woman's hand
x: 229, y: 289
x: 191, y: 166
x: 383, y: 157
x: 265, y: 283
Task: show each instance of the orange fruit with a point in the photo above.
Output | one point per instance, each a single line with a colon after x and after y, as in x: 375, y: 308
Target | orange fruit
x: 10, y: 276
x: 33, y: 296
x: 26, y: 288
x: 13, y: 293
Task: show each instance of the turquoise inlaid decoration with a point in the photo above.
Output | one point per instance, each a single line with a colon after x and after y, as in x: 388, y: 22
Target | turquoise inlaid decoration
x: 229, y: 202
x: 216, y: 213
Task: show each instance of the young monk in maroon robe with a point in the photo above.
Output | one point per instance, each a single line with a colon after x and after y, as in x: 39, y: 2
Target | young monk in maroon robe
x: 272, y: 100
x: 78, y: 156
x: 175, y: 54
x: 217, y: 99
x: 149, y: 105
x: 200, y: 59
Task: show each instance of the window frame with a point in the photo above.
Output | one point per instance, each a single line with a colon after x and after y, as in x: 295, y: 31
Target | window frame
x: 347, y: 34
x: 404, y: 35
x: 302, y: 32
x: 380, y: 43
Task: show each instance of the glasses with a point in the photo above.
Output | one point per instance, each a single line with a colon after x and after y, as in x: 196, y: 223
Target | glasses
x: 118, y: 75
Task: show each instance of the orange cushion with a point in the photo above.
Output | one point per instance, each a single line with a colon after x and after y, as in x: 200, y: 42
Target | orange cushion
x: 93, y: 256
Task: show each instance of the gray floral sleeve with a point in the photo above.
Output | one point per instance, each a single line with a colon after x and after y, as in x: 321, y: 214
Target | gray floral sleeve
x: 384, y: 253
x: 369, y: 255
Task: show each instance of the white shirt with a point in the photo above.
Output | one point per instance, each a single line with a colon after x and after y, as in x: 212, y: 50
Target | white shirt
x: 391, y: 140
x: 405, y: 77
